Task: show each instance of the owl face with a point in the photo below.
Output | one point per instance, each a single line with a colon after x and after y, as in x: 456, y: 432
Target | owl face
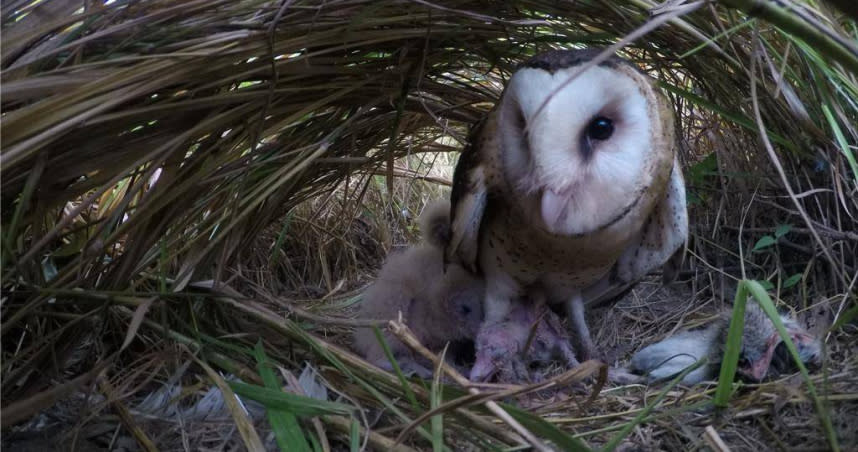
x: 585, y: 159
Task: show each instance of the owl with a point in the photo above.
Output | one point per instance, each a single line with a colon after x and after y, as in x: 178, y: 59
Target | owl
x: 570, y: 185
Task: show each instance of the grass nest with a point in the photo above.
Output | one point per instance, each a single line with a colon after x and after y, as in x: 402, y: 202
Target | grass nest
x: 194, y: 193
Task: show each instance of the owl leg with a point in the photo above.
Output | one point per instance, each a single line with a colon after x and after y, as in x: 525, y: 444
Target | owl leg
x: 578, y: 323
x: 563, y: 351
x: 552, y: 332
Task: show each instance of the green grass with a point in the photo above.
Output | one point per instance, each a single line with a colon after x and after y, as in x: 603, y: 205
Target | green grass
x: 734, y: 349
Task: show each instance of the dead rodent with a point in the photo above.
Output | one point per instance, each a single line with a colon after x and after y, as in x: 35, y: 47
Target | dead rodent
x: 438, y: 306
x: 763, y: 352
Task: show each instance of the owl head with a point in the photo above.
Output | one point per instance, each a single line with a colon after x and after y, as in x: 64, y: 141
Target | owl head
x: 583, y: 148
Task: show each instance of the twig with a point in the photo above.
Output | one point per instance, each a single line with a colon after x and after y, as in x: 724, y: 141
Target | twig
x: 413, y: 175
x: 532, y: 335
x: 789, y: 22
x: 579, y: 373
x: 713, y: 439
x: 275, y: 322
x: 22, y: 409
x: 242, y: 420
x: 830, y: 233
x: 377, y: 440
x: 125, y: 416
x: 773, y: 156
x: 307, y: 315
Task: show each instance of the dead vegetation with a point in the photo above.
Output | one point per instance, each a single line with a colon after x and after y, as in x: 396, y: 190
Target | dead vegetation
x: 193, y: 194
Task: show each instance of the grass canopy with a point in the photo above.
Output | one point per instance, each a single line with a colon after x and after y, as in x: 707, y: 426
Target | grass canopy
x: 194, y: 192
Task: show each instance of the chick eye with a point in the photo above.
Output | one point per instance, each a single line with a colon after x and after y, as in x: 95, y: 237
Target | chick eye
x: 466, y: 309
x: 600, y: 128
x: 520, y: 122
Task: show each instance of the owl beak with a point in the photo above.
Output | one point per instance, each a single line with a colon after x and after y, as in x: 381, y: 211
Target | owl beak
x: 554, y: 208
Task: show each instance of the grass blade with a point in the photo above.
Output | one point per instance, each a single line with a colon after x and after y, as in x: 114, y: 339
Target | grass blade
x: 641, y: 417
x: 406, y: 387
x: 733, y: 348
x: 546, y: 430
x: 436, y: 397
x: 354, y: 436
x: 765, y: 302
x: 287, y: 430
x: 297, y: 405
x: 242, y: 421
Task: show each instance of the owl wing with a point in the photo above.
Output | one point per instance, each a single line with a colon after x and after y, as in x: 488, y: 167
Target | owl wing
x: 661, y: 243
x: 467, y: 203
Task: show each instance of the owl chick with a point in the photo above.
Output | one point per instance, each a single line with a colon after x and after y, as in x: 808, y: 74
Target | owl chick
x: 533, y: 324
x: 762, y: 349
x: 438, y: 306
x: 570, y: 186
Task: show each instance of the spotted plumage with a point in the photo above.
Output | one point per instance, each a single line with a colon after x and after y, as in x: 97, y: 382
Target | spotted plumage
x: 572, y: 187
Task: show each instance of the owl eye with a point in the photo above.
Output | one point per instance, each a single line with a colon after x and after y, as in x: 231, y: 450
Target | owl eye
x: 466, y: 309
x: 600, y: 128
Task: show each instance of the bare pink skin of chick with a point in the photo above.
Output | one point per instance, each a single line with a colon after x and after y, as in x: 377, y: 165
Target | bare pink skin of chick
x: 526, y: 319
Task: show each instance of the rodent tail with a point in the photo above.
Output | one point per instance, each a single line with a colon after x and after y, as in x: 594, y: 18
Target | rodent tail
x: 435, y: 223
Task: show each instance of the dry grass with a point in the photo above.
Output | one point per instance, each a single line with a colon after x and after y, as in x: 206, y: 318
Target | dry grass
x: 182, y: 181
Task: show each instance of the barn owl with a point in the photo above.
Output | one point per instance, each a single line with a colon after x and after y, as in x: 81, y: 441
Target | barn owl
x: 439, y: 305
x: 762, y: 349
x: 570, y: 186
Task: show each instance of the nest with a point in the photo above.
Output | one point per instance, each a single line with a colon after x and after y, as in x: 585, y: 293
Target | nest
x: 194, y: 193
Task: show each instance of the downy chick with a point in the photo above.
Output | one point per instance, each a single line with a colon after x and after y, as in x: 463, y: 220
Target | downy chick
x: 438, y: 306
x: 762, y: 349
